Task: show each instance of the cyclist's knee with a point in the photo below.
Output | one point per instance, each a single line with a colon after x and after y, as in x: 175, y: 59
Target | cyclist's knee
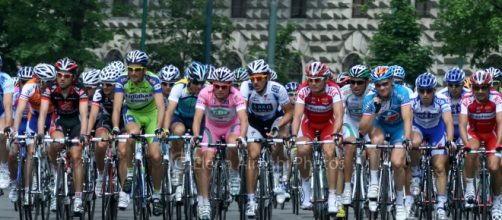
x: 76, y: 155
x: 132, y: 128
x: 439, y: 167
x: 122, y: 151
x: 397, y: 161
x: 253, y: 151
x: 178, y: 129
x: 329, y: 151
x: 493, y: 164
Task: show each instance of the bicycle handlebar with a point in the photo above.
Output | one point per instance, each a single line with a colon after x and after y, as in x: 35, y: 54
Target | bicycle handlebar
x: 218, y: 145
x: 267, y: 140
x: 315, y: 142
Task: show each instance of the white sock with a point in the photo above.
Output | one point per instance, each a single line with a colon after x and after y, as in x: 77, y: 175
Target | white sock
x: 347, y: 186
x: 409, y: 200
x: 441, y: 200
x: 251, y: 197
x: 206, y: 201
x: 200, y: 199
x: 469, y: 184
x: 374, y: 176
x: 400, y: 197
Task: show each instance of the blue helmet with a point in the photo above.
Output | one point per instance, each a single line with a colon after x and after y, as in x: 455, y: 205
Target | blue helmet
x: 25, y: 73
x: 292, y: 86
x: 454, y: 75
x: 399, y: 72
x: 381, y: 73
x: 137, y: 57
x: 426, y: 80
x: 196, y: 71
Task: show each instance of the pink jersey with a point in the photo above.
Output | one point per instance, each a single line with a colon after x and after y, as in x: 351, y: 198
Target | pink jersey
x: 220, y: 113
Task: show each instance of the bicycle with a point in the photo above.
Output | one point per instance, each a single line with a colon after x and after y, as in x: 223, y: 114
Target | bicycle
x: 265, y: 194
x: 24, y: 211
x: 456, y: 185
x: 90, y: 175
x: 294, y: 180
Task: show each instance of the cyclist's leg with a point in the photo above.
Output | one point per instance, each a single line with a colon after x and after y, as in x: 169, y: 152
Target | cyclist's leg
x: 304, y: 154
x: 55, y: 131
x: 377, y: 137
x: 493, y: 165
x: 125, y: 150
x: 102, y: 131
x: 416, y: 140
x: 4, y: 154
x: 211, y: 134
x: 177, y: 127
x: 439, y: 162
x: 278, y: 149
x: 470, y: 162
x: 231, y: 138
x: 76, y: 157
x: 349, y: 130
x: 154, y: 151
x: 253, y: 155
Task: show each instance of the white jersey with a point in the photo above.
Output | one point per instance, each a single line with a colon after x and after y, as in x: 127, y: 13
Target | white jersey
x: 454, y: 103
x: 268, y: 105
x: 429, y: 116
x: 185, y: 100
x: 353, y: 104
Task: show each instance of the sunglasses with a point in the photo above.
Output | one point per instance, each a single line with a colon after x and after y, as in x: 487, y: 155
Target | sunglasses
x: 292, y: 93
x: 495, y: 83
x: 237, y: 84
x: 108, y: 85
x: 455, y: 85
x: 221, y: 86
x: 384, y: 84
x: 197, y: 83
x: 91, y: 87
x: 482, y: 88
x: 258, y: 77
x: 134, y: 69
x: 64, y: 76
x: 428, y: 91
x: 357, y: 82
x: 169, y: 84
x: 315, y: 79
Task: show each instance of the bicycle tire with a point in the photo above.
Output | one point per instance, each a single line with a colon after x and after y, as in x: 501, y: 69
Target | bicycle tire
x: 109, y: 202
x: 383, y: 196
x: 262, y: 192
x: 271, y: 198
x: 458, y: 195
x: 89, y: 197
x: 137, y: 192
x: 242, y: 197
x: 215, y: 190
x: 358, y: 202
x: 21, y: 208
x: 34, y: 201
x: 295, y: 189
x: 188, y: 204
x: 484, y: 195
x: 44, y: 183
x: 60, y: 210
x: 166, y: 193
x: 429, y: 208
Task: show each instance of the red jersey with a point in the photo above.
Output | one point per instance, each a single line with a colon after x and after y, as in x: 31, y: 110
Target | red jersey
x: 482, y: 116
x: 319, y: 108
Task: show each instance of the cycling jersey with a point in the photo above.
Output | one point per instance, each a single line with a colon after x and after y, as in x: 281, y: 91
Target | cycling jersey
x: 353, y: 111
x: 430, y: 116
x: 139, y: 96
x: 390, y: 111
x: 6, y: 87
x: 65, y: 106
x: 455, y: 107
x: 186, y: 101
x: 266, y: 106
x: 103, y: 102
x: 15, y: 98
x: 482, y: 116
x: 32, y: 93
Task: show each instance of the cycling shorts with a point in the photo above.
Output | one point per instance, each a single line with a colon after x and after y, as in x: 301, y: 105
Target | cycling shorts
x: 187, y: 122
x: 350, y: 128
x: 490, y: 138
x: 259, y: 129
x: 68, y: 125
x: 148, y: 120
x: 309, y: 129
x: 213, y: 134
x: 435, y: 136
x: 396, y: 131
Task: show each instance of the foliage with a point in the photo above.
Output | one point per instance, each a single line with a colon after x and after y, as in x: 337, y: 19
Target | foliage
x: 467, y: 26
x: 397, y: 41
x: 286, y: 59
x: 33, y: 31
x: 182, y: 34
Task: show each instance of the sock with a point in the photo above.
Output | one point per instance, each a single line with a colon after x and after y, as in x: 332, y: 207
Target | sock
x: 100, y: 174
x: 441, y: 200
x: 409, y: 200
x: 251, y: 197
x: 200, y: 199
x: 306, y: 183
x: 233, y: 173
x: 130, y: 170
x: 374, y: 176
x: 400, y: 197
x: 178, y: 164
x: 347, y: 186
x: 415, y: 171
x: 469, y: 184
x: 205, y: 201
x: 78, y: 195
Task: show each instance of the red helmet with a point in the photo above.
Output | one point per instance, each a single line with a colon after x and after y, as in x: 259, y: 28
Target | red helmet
x: 481, y: 77
x: 66, y: 64
x: 317, y: 69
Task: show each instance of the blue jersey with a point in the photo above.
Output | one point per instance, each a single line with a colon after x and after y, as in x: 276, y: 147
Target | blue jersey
x: 390, y: 112
x: 6, y: 87
x: 430, y: 116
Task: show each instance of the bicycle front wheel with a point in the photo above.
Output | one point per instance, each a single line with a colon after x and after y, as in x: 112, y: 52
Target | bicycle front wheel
x: 138, y: 189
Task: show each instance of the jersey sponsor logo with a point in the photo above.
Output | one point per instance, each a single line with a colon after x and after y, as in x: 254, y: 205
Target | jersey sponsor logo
x: 157, y: 86
x: 219, y: 112
x: 426, y: 115
x: 260, y: 108
x: 275, y: 88
x: 356, y: 112
x: 390, y: 116
x: 455, y: 109
x: 482, y: 116
x: 318, y: 108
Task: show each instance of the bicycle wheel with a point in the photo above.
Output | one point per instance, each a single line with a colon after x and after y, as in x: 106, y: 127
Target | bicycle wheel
x: 358, y: 201
x: 35, y: 187
x: 138, y: 189
x: 166, y: 193
x: 188, y: 204
x: 429, y: 207
x: 108, y: 200
x: 484, y: 196
x: 384, y: 196
x: 89, y: 197
x: 242, y: 197
x: 215, y: 190
x: 46, y: 192
x: 262, y: 194
x: 295, y: 189
x: 60, y: 197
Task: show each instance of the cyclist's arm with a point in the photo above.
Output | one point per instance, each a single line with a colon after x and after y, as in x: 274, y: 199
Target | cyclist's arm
x: 407, y: 120
x: 169, y: 113
x: 499, y: 128
x: 288, y: 115
x: 118, y: 98
x: 462, y: 128
x: 243, y: 118
x: 21, y: 105
x: 448, y: 120
x: 159, y: 102
x: 44, y: 107
x: 83, y: 108
x: 298, y: 113
x: 338, y: 116
x: 197, y: 119
x: 7, y: 103
x: 366, y: 123
x: 92, y: 118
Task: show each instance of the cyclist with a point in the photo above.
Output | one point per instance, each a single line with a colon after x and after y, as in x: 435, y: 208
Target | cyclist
x: 100, y: 117
x: 141, y: 93
x: 6, y: 92
x: 398, y: 77
x: 241, y: 75
x: 179, y: 115
x: 497, y: 76
x: 23, y: 75
x: 292, y: 88
x: 321, y: 101
x: 70, y: 106
x: 432, y: 120
x: 225, y: 115
x: 454, y: 79
x: 481, y: 120
x: 90, y: 81
x: 342, y: 79
x: 168, y: 76
x: 353, y: 95
x: 387, y: 111
x: 263, y: 100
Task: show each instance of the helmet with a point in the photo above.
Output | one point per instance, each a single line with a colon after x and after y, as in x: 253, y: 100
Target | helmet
x: 426, y: 80
x: 382, y: 73
x: 454, y: 75
x: 90, y: 77
x: 399, y: 72
x: 138, y: 57
x: 66, y: 64
x: 45, y: 72
x: 25, y: 73
x: 118, y: 64
x: 109, y: 74
x: 342, y: 78
x: 359, y: 71
x: 496, y: 73
x: 223, y: 74
x: 273, y: 75
x: 196, y: 71
x: 258, y: 66
x: 292, y: 86
x: 15, y: 80
x: 169, y: 73
x: 317, y: 69
x: 481, y: 77
x: 241, y: 74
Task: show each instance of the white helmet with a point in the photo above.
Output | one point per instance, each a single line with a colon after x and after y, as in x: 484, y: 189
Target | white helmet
x: 258, y: 66
x: 109, y: 74
x: 45, y: 72
x: 90, y: 77
x: 25, y: 73
x: 169, y: 73
x: 118, y: 64
x: 223, y: 74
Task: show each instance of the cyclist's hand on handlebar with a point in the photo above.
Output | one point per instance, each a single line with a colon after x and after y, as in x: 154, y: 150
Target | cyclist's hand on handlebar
x: 292, y: 140
x: 115, y: 131
x: 242, y: 142
x: 407, y: 144
x: 39, y: 138
x: 338, y: 138
x: 160, y: 132
x: 194, y: 141
x: 377, y: 104
x: 84, y: 139
x: 273, y: 132
x: 451, y: 145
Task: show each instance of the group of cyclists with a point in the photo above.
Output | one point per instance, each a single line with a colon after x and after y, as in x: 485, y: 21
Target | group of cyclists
x: 247, y: 103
